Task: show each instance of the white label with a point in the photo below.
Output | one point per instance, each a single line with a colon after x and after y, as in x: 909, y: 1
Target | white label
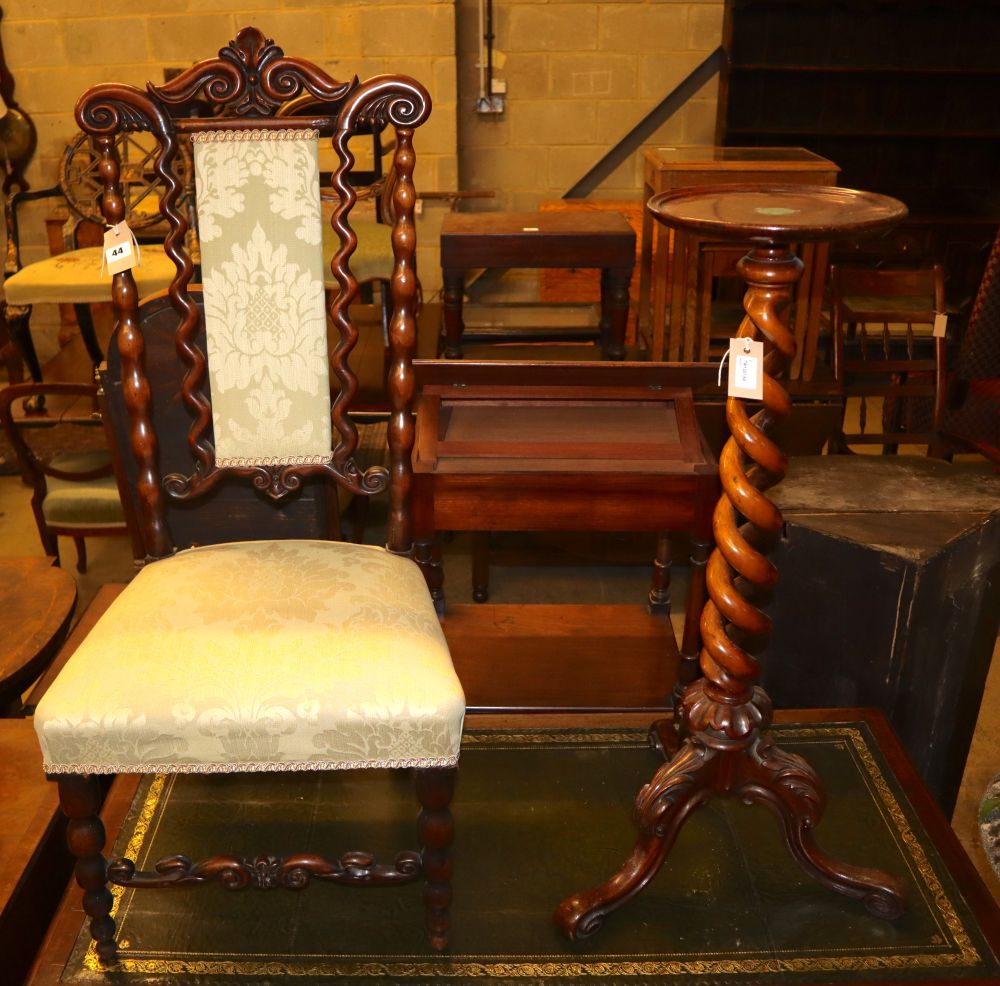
x: 746, y: 369
x: 940, y: 325
x: 118, y: 252
x: 120, y: 249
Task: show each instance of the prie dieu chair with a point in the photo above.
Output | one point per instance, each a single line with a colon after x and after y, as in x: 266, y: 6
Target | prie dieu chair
x: 269, y: 655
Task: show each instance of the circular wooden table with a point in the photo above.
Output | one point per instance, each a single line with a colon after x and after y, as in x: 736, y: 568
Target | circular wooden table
x: 725, y: 748
x: 36, y: 606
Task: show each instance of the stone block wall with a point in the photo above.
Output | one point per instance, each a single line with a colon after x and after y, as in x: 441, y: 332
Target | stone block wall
x: 57, y: 48
x: 579, y: 77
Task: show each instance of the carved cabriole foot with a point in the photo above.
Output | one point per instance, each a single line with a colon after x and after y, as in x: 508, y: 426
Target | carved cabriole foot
x: 726, y: 754
x: 80, y: 800
x: 435, y: 788
x: 789, y: 787
x: 661, y: 808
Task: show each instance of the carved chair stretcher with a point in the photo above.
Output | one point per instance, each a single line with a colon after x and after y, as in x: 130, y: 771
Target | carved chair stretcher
x: 271, y: 654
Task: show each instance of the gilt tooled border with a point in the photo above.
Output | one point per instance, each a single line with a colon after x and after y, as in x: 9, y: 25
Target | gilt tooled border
x: 965, y: 955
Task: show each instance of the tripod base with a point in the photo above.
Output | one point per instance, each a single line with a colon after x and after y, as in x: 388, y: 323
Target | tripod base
x: 758, y: 772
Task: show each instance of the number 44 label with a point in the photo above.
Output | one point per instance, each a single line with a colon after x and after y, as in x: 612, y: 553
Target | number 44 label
x: 746, y: 369
x: 121, y: 252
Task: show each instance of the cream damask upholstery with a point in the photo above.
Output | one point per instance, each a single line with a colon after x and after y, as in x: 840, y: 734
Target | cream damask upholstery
x: 265, y: 314
x: 286, y: 655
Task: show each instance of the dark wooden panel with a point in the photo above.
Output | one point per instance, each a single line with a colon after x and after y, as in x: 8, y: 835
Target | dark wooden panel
x: 558, y: 656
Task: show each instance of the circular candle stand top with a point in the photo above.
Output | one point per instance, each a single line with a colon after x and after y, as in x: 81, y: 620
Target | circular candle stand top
x: 776, y: 213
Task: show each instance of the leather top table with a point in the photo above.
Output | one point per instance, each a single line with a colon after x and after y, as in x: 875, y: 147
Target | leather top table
x: 38, y: 600
x: 539, y: 239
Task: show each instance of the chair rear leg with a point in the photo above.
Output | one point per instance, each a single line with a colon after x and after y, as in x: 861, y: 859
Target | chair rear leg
x: 80, y: 800
x: 435, y: 788
x: 10, y: 355
x: 81, y: 554
x: 19, y: 326
x: 86, y: 322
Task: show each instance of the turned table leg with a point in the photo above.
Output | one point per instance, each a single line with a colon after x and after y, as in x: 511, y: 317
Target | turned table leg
x: 614, y: 310
x: 454, y: 289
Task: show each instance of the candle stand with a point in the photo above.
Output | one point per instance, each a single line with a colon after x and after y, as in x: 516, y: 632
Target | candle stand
x: 723, y: 745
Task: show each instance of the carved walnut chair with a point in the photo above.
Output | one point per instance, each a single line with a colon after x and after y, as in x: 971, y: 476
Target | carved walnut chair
x: 268, y: 655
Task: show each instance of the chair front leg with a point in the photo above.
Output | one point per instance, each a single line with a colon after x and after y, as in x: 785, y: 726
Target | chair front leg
x: 80, y: 800
x: 435, y: 788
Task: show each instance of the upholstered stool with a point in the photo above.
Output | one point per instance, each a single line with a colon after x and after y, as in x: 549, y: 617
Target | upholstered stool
x: 76, y: 278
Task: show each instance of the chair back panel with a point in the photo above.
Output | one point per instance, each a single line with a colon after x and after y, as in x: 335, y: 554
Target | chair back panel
x: 275, y: 420
x: 232, y: 510
x: 265, y: 314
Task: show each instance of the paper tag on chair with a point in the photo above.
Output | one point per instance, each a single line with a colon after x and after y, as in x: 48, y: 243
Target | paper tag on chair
x: 746, y: 369
x: 940, y: 325
x: 121, y: 250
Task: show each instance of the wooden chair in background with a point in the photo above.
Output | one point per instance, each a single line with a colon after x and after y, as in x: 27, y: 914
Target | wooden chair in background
x: 280, y: 654
x: 75, y: 276
x: 74, y: 492
x: 886, y: 355
x: 971, y: 419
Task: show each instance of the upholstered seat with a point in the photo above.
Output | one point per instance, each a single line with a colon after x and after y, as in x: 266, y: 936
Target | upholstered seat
x: 372, y: 259
x: 94, y: 503
x: 341, y: 664
x: 76, y: 278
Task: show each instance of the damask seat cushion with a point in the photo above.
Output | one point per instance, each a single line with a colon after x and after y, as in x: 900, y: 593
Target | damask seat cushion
x: 76, y: 277
x: 263, y: 655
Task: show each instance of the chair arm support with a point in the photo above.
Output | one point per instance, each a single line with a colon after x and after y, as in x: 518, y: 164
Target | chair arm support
x: 13, y: 260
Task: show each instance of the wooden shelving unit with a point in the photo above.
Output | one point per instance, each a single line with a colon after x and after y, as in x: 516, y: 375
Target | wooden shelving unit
x: 904, y: 95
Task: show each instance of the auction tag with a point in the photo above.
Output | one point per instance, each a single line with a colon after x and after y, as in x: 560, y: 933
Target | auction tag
x: 746, y: 369
x: 940, y: 325
x: 121, y: 251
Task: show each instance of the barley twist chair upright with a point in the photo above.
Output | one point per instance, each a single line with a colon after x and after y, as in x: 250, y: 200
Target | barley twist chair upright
x: 270, y: 655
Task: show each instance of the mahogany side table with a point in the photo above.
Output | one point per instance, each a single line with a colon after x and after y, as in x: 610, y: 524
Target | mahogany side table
x: 724, y: 715
x: 539, y: 239
x: 564, y: 447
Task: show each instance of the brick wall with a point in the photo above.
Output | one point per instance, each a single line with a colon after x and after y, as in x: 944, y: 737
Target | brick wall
x: 579, y: 77
x: 57, y: 48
